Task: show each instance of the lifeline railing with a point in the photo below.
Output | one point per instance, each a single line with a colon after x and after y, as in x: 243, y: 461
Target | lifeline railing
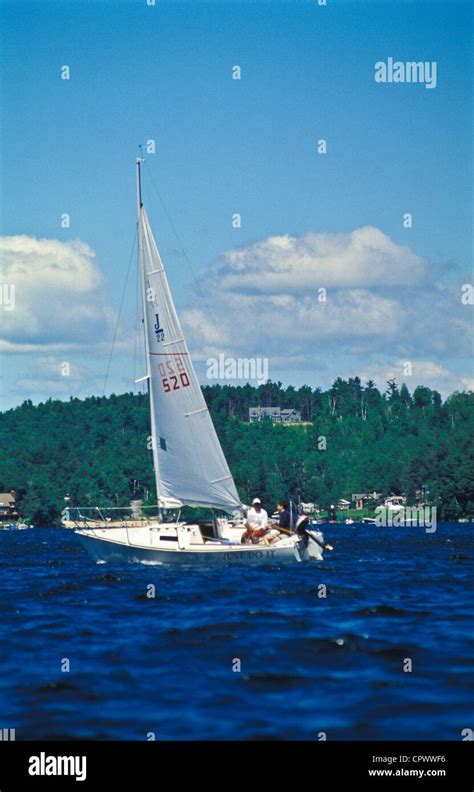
x: 81, y: 517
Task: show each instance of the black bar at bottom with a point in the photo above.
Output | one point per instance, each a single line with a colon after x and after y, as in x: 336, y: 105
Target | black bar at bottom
x: 151, y: 765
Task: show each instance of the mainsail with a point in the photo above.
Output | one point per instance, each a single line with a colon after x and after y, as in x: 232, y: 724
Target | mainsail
x: 189, y: 462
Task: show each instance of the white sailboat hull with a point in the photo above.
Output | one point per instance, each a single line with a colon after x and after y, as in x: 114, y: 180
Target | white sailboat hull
x: 155, y: 546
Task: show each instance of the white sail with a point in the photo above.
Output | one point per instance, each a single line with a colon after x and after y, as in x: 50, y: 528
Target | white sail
x: 189, y: 462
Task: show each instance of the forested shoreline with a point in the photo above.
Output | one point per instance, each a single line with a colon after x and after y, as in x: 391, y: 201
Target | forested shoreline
x: 356, y: 439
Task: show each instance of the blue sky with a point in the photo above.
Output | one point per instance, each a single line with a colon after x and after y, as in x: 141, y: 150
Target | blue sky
x: 164, y: 72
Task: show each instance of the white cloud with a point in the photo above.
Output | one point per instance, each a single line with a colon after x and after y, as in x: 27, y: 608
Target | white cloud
x: 48, y: 375
x: 364, y: 258
x: 60, y: 299
x: 248, y: 322
x: 50, y: 366
x: 382, y: 302
x: 424, y: 372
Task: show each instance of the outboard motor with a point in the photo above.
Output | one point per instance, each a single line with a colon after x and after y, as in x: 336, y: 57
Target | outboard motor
x: 302, y: 523
x: 312, y: 539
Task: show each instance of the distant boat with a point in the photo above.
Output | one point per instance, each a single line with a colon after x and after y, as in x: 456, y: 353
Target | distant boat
x: 189, y: 464
x: 18, y: 526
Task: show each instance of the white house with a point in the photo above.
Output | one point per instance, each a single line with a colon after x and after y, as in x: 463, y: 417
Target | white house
x: 290, y: 416
x: 274, y: 414
x: 343, y: 504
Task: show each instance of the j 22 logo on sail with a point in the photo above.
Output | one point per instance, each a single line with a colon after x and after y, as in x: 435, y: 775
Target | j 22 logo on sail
x: 159, y: 332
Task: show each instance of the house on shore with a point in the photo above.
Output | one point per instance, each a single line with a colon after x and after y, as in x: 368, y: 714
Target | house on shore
x: 360, y: 499
x: 343, y: 505
x: 274, y: 414
x: 8, y: 510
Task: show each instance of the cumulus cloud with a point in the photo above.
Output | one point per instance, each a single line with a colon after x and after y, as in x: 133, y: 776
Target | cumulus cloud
x: 426, y: 372
x: 59, y: 295
x: 364, y: 258
x: 247, y: 322
x: 377, y: 294
x: 381, y: 300
x: 41, y: 376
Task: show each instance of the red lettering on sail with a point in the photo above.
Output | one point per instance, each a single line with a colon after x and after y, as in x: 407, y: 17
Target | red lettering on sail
x: 173, y: 374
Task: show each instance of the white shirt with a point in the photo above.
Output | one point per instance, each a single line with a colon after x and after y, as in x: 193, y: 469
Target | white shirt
x: 257, y: 519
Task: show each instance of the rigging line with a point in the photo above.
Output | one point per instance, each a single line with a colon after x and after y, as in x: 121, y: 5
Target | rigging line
x: 183, y: 252
x: 136, y: 336
x: 119, y: 313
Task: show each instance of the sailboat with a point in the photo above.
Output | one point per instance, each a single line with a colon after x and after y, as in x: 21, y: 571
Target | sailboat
x: 189, y: 463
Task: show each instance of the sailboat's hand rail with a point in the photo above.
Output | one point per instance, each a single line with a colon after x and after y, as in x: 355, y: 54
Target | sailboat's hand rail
x: 108, y: 508
x: 107, y: 517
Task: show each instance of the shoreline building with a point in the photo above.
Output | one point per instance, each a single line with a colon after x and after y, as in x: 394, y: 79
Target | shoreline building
x: 8, y: 510
x: 359, y: 499
x: 274, y: 414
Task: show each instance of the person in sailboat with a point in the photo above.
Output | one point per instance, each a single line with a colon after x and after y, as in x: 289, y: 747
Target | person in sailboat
x: 284, y: 515
x: 256, y: 523
x: 275, y: 531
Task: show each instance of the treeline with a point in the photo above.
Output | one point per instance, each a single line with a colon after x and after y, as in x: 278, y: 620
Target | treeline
x: 359, y: 440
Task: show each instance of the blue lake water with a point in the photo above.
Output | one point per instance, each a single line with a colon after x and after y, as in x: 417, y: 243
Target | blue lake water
x: 308, y: 664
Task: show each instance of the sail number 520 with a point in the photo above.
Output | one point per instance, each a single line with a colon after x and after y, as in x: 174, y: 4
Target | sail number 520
x: 173, y: 375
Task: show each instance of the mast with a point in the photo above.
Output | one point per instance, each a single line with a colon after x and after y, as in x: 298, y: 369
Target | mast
x: 143, y: 274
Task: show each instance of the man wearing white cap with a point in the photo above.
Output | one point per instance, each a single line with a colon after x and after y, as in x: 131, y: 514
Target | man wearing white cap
x: 257, y: 521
